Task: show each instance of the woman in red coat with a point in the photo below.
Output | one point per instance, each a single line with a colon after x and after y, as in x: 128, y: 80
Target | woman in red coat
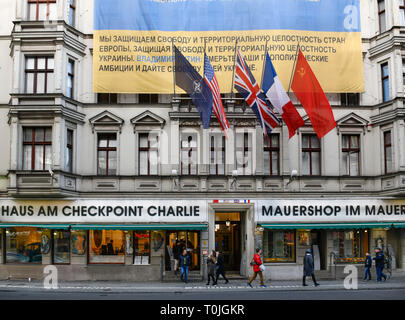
x: 256, y: 268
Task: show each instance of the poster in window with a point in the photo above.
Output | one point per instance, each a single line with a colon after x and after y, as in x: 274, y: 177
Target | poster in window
x: 45, y: 243
x: 128, y: 244
x: 157, y: 239
x: 79, y: 242
x: 304, y: 238
x: 138, y: 260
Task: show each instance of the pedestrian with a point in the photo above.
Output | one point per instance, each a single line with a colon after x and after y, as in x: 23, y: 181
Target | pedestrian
x: 184, y: 265
x: 309, y: 268
x: 220, y: 268
x: 379, y: 264
x: 367, y: 266
x: 176, y: 256
x: 211, y: 268
x: 256, y: 263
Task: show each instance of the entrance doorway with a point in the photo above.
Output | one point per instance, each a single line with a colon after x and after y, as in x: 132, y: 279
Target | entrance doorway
x: 188, y: 239
x: 228, y: 238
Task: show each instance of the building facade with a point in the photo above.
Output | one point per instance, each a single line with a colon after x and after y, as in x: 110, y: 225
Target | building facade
x: 104, y: 185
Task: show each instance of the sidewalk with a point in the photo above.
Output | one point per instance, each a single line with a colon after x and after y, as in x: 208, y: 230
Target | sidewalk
x: 396, y: 282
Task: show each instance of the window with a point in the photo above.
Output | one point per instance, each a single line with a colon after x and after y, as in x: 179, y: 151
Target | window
x: 271, y: 154
x: 381, y: 15
x: 61, y: 247
x: 217, y: 154
x: 72, y: 10
x: 311, y: 155
x: 39, y: 76
x: 401, y: 5
x: 107, y: 98
x: 189, y: 153
x: 142, y: 247
x: 278, y: 246
x: 148, y: 98
x: 403, y: 73
x: 107, y: 154
x: 244, y: 161
x: 388, y: 165
x: 349, y: 99
x: 23, y: 245
x: 69, y: 150
x: 148, y: 153
x: 70, y: 78
x: 42, y: 10
x: 350, y: 155
x: 350, y: 245
x: 37, y: 148
x: 107, y: 246
x: 385, y: 82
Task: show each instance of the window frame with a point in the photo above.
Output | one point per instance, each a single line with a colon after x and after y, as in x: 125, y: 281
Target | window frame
x: 107, y: 149
x: 351, y: 150
x: 385, y: 79
x: 271, y: 149
x: 71, y: 91
x: 312, y: 150
x: 148, y: 149
x: 69, y: 146
x: 294, y: 247
x: 386, y: 146
x: 37, y: 71
x: 148, y: 98
x: 38, y: 2
x: 245, y: 149
x: 381, y: 13
x: 217, y: 150
x: 72, y: 17
x: 107, y: 98
x: 53, y: 247
x: 401, y: 8
x: 134, y: 255
x: 191, y: 150
x: 34, y: 143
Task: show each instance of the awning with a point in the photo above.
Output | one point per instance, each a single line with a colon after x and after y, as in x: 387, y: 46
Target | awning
x: 189, y: 226
x: 44, y: 226
x: 359, y: 225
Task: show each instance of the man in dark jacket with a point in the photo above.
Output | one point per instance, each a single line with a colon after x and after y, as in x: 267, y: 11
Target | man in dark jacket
x: 309, y: 268
x: 220, y: 267
x: 367, y: 267
x: 185, y: 262
x: 379, y: 264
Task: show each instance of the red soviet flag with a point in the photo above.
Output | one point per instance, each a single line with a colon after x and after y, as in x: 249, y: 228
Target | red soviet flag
x: 308, y: 90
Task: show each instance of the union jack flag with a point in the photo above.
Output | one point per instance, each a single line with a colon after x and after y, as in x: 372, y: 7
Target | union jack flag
x: 247, y: 86
x: 211, y: 80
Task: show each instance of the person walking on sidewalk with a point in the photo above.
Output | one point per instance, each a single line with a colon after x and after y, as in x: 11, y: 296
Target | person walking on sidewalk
x: 185, y: 262
x: 256, y: 263
x: 220, y: 267
x: 211, y: 268
x: 379, y: 264
x: 367, y: 267
x: 176, y: 256
x: 309, y: 268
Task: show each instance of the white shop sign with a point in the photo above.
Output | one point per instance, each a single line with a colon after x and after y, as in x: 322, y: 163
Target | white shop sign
x: 339, y: 210
x: 103, y: 211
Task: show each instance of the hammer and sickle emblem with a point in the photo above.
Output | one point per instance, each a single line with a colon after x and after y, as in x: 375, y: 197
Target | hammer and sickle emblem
x: 301, y: 71
x: 197, y: 86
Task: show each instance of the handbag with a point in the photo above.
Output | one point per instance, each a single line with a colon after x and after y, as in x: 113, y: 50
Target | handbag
x: 262, y: 267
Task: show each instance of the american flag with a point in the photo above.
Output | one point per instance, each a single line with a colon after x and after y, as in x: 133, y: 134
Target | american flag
x: 217, y: 106
x: 247, y: 86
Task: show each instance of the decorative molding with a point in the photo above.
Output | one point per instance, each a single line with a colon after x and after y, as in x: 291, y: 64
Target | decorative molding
x: 148, y: 118
x: 106, y: 118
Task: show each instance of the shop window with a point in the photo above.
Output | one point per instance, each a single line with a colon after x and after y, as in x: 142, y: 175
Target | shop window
x: 107, y: 154
x: 148, y: 153
x: 311, y: 155
x: 381, y: 15
x: 217, y: 154
x: 42, y: 10
x: 350, y: 155
x: 350, y: 246
x: 278, y: 246
x: 107, y: 246
x: 61, y: 247
x: 142, y: 247
x: 37, y: 148
x: 39, y: 77
x: 388, y: 165
x: 23, y: 245
x: 189, y: 164
x: 244, y: 153
x: 385, y: 81
x: 271, y: 154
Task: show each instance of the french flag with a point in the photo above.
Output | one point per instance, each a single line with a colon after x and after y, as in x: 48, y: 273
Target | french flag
x: 275, y: 92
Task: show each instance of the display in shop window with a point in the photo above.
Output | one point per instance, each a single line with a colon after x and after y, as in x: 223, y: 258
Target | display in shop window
x: 23, y: 245
x: 79, y: 242
x: 157, y: 239
x: 45, y: 244
x: 128, y: 244
x: 304, y: 238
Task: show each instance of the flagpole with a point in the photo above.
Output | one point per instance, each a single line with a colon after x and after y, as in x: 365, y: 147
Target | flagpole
x: 293, y: 69
x: 174, y: 75
x: 264, y: 64
x: 233, y: 71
